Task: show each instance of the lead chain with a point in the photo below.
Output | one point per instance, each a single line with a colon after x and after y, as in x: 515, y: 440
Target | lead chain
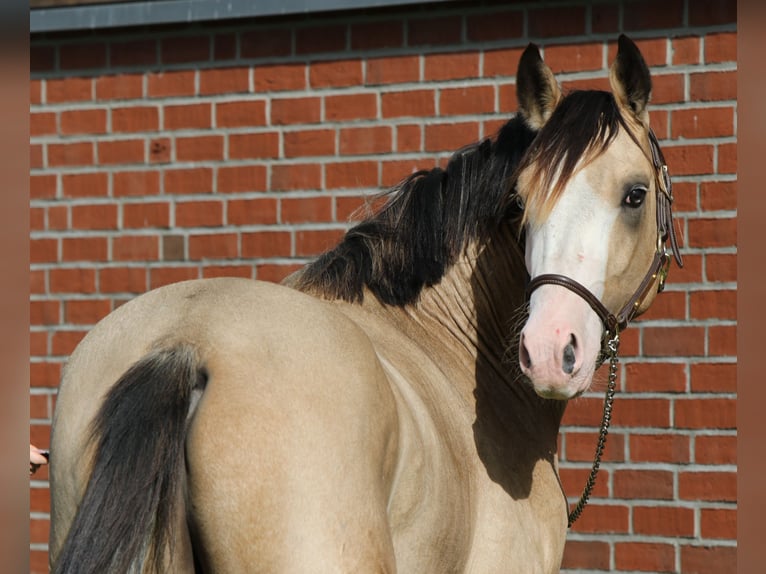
x: 612, y: 345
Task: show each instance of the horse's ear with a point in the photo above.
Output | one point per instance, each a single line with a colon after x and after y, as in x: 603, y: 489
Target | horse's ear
x: 630, y: 80
x: 536, y: 88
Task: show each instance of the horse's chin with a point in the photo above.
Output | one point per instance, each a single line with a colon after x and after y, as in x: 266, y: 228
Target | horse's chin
x: 573, y: 388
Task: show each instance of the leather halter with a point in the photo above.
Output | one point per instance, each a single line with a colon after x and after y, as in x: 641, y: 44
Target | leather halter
x: 614, y: 323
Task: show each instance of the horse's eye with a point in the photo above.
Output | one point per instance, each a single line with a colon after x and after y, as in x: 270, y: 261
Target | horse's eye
x: 635, y: 197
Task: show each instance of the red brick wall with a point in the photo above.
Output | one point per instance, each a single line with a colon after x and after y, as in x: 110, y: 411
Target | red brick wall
x: 243, y: 148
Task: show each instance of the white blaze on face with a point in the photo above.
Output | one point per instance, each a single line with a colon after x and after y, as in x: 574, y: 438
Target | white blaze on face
x: 562, y: 338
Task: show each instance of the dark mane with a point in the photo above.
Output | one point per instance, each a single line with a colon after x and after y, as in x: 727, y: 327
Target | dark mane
x: 425, y: 224
x: 433, y: 215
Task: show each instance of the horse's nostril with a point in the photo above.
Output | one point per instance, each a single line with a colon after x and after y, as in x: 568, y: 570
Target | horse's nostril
x: 524, y: 358
x: 568, y: 360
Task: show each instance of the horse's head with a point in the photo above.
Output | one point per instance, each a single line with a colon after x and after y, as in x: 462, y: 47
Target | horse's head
x: 597, y: 212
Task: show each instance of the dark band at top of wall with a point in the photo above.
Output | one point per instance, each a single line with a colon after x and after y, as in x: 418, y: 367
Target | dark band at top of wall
x: 70, y: 15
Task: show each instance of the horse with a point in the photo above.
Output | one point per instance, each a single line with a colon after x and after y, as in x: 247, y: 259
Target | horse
x: 394, y: 405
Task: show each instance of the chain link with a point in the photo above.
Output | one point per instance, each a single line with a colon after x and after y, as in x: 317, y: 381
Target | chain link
x: 613, y: 346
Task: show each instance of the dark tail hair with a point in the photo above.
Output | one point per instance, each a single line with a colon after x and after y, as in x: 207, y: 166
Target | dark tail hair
x: 126, y: 514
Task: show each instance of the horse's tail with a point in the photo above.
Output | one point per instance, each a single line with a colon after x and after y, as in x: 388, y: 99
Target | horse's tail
x: 124, y: 521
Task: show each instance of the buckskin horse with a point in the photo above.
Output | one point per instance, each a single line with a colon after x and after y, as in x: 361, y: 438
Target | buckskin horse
x: 395, y: 405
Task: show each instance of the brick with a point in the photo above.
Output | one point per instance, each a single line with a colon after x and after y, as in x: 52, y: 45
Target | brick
x: 350, y: 107
x: 712, y: 12
x: 721, y: 267
x: 335, y: 74
x: 240, y: 113
x: 38, y: 404
x: 574, y: 57
x: 274, y: 272
x: 241, y: 178
x: 135, y: 119
x: 309, y: 143
x: 43, y: 250
x: 173, y: 248
x: 45, y: 312
x: 712, y: 86
x: 254, y: 145
x: 161, y: 276
x: 82, y: 56
x: 495, y: 26
x: 507, y: 100
x: 586, y: 554
x: 266, y: 244
x: 78, y: 280
x: 306, y: 209
x: 120, y: 87
x: 708, y: 486
x: 42, y: 123
x: 318, y: 39
x: 266, y: 43
x: 409, y: 137
x: 659, y: 448
x: 120, y: 152
x: 187, y: 116
x: 645, y: 557
x: 64, y: 342
x: 287, y: 111
x: 122, y: 280
x: 655, y: 377
x: 37, y: 282
x: 224, y: 81
x: 685, y: 50
x: 42, y: 58
x: 434, y: 31
x: 718, y: 195
x: 502, y: 62
x: 69, y: 154
x: 640, y: 412
x: 727, y: 158
x: 715, y: 449
x: 135, y: 248
x: 58, y: 217
x: 145, y: 215
x: 450, y: 136
x: 251, y: 211
x: 603, y: 518
x: 309, y: 242
x: 451, y: 66
x: 199, y: 213
x: 674, y: 341
x: 39, y: 529
x: 410, y: 103
x: 695, y: 413
x: 46, y: 374
x: 351, y: 174
x: 643, y: 484
x: 703, y: 123
x: 37, y: 219
x: 663, y: 521
x: 213, y: 246
x: 35, y: 92
x: 69, y: 89
x: 185, y: 49
x: 224, y: 47
x: 135, y: 183
x: 280, y: 77
x: 714, y: 304
x: 296, y: 176
x: 714, y: 377
x: 559, y: 21
x: 160, y: 150
x: 718, y: 523
x: 36, y: 160
x: 395, y: 171
x: 581, y: 446
x: 377, y: 35
x: 170, y: 83
x: 671, y: 305
x: 722, y: 341
x: 86, y: 312
x: 712, y: 232
x: 708, y: 559
x: 392, y: 70
x: 85, y: 184
x: 199, y: 148
x: 353, y: 209
x: 244, y: 271
x: 133, y: 53
x: 187, y: 181
x: 721, y: 47
x: 366, y: 140
x: 97, y: 216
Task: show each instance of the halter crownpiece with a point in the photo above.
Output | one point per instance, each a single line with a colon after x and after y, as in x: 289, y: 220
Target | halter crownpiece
x: 614, y: 323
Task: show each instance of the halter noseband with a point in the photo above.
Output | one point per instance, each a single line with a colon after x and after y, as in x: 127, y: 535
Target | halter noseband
x: 614, y: 323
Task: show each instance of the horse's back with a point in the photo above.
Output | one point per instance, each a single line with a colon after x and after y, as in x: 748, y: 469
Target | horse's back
x: 296, y: 423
